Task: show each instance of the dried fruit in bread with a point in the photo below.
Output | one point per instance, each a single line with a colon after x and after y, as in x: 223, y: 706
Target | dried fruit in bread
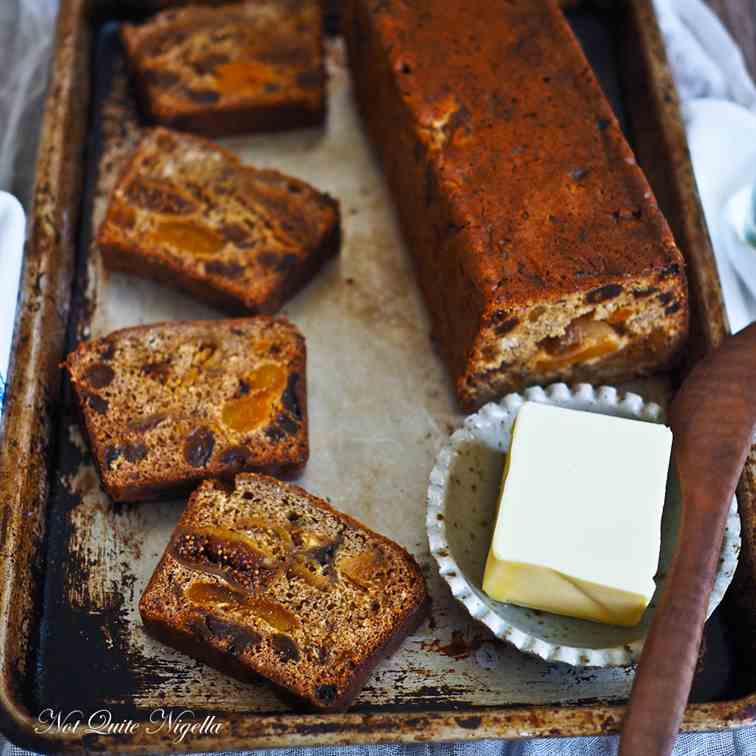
x: 237, y: 68
x: 538, y: 243
x: 267, y: 579
x: 170, y: 404
x: 189, y: 214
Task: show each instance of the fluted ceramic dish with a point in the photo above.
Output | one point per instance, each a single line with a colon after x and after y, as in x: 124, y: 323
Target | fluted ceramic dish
x: 462, y: 499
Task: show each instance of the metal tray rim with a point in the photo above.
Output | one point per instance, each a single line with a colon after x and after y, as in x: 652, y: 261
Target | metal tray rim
x: 23, y: 485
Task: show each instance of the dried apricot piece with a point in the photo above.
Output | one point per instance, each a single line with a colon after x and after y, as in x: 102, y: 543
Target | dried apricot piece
x: 618, y: 317
x: 267, y: 527
x: 239, y: 77
x: 188, y: 236
x: 270, y: 377
x: 274, y: 614
x: 585, y: 339
x: 246, y: 414
x: 310, y: 573
x: 365, y: 568
x: 232, y: 601
x: 203, y: 593
x: 252, y: 409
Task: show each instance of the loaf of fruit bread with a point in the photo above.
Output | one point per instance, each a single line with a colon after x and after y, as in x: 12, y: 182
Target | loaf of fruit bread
x: 264, y: 578
x: 538, y: 244
x: 167, y: 405
x: 238, y: 68
x: 188, y: 213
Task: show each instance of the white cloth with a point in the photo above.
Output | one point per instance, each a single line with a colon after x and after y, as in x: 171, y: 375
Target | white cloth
x: 25, y: 43
x: 706, y: 64
x: 737, y: 743
x: 719, y: 107
x: 722, y: 141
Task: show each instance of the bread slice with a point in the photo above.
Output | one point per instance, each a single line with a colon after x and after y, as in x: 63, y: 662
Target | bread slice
x: 188, y: 213
x: 238, y: 68
x: 170, y: 404
x: 267, y: 579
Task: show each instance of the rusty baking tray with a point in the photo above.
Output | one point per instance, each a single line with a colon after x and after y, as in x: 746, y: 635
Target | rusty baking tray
x: 73, y: 563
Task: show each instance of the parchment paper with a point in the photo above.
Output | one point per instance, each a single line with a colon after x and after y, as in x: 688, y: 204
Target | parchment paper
x: 380, y: 405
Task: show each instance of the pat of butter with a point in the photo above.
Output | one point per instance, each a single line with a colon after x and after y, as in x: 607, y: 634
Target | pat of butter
x: 579, y: 525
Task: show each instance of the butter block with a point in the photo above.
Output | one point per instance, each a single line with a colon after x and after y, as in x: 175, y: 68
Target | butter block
x: 578, y: 529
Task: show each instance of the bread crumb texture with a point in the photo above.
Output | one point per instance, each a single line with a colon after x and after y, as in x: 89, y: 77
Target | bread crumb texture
x: 238, y: 68
x: 170, y: 404
x: 188, y: 213
x: 271, y: 579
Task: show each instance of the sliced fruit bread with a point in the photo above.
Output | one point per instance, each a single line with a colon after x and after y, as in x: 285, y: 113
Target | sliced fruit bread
x: 170, y: 404
x: 238, y: 68
x: 265, y: 578
x: 189, y: 214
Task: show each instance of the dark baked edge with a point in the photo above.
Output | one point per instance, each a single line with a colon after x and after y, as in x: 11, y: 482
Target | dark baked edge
x: 231, y: 665
x: 237, y: 120
x: 166, y: 271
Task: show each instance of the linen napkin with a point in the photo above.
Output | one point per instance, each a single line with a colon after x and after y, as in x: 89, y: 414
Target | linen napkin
x: 719, y: 108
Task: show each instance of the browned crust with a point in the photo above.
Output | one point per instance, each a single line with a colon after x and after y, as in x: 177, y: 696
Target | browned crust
x: 508, y: 194
x: 237, y: 121
x: 156, y: 486
x: 229, y: 116
x: 411, y: 622
x: 183, y: 639
x: 234, y: 298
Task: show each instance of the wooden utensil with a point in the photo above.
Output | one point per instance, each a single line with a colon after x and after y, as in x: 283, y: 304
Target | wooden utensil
x: 713, y: 419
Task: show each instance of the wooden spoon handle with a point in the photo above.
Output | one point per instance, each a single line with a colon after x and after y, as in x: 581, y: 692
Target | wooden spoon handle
x: 712, y: 419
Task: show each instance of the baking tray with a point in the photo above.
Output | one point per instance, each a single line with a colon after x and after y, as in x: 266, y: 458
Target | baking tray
x: 73, y: 564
